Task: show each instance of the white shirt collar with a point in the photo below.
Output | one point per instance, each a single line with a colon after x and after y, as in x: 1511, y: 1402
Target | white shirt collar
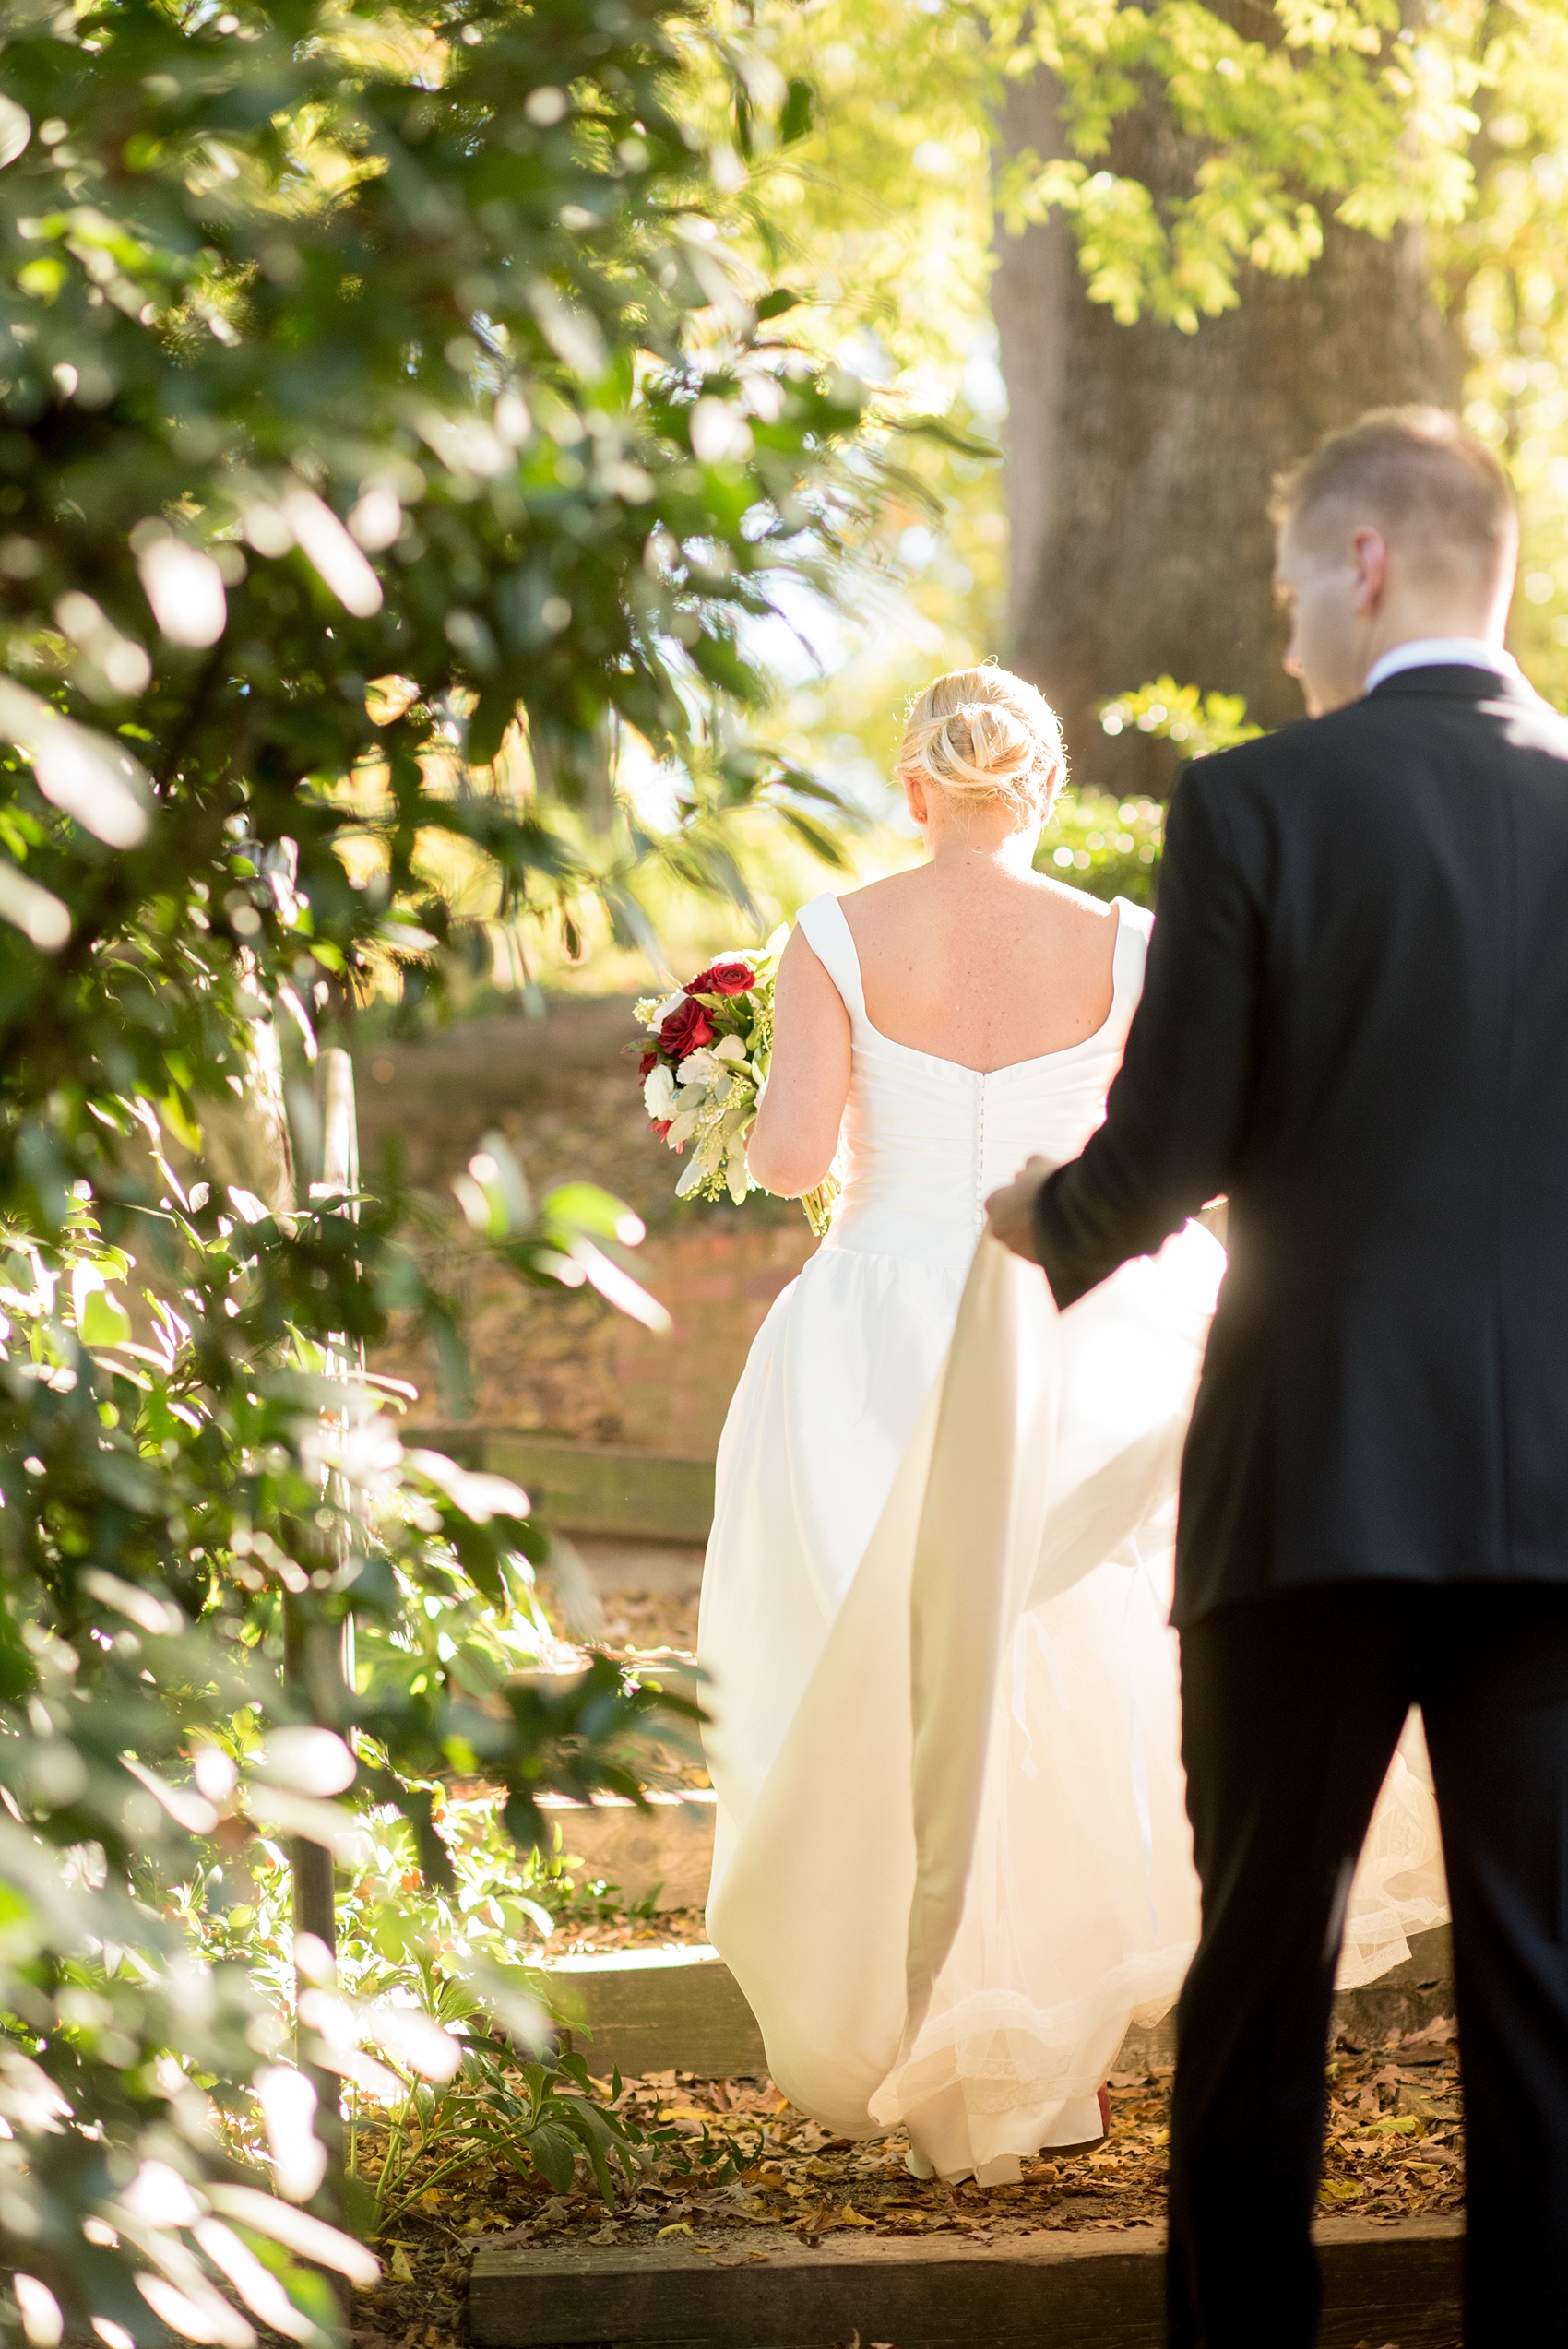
x: 1441, y: 652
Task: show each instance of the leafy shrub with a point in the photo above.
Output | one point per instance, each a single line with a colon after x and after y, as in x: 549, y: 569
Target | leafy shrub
x: 385, y: 436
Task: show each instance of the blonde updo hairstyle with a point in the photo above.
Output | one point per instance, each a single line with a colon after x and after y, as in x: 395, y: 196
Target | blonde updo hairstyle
x: 983, y: 736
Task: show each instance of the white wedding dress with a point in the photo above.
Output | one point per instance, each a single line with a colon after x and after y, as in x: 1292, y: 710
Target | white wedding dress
x: 953, y: 1862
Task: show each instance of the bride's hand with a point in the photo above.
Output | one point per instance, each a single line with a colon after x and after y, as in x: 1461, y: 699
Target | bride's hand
x: 1011, y: 1211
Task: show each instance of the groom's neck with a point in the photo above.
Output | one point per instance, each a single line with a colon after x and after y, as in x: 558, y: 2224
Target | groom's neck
x: 1412, y: 610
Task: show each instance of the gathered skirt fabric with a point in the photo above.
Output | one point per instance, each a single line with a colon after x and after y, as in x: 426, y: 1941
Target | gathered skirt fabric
x: 953, y: 1863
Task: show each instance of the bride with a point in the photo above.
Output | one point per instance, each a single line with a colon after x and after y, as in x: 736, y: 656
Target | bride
x: 951, y: 1861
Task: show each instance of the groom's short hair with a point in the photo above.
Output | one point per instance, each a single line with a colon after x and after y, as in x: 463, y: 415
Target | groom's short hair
x: 1416, y: 474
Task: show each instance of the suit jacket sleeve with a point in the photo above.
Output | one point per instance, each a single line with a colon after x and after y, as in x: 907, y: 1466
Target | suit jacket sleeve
x: 1174, y: 1112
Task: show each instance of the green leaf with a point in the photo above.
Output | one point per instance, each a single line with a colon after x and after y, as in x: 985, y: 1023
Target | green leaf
x: 104, y: 1320
x: 553, y: 2153
x: 798, y: 114
x: 584, y: 1206
x: 494, y: 712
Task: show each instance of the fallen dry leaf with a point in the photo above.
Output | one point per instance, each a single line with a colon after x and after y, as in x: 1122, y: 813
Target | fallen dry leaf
x: 1395, y: 2147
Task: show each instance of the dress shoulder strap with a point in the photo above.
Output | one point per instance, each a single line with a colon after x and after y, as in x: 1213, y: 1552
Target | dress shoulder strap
x: 830, y: 939
x: 1135, y: 925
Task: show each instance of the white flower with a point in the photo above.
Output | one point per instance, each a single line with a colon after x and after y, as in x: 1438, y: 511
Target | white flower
x: 659, y: 1093
x: 662, y: 1011
x: 698, y: 1068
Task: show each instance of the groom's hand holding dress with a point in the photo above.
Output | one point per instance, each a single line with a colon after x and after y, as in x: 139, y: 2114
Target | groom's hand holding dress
x: 1010, y: 1212
x: 1355, y: 1023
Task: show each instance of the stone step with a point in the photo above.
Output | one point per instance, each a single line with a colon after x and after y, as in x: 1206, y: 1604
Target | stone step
x: 682, y: 2010
x: 663, y: 1854
x: 1051, y: 2289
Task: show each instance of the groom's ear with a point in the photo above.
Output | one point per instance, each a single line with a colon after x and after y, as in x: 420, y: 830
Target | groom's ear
x: 1369, y: 550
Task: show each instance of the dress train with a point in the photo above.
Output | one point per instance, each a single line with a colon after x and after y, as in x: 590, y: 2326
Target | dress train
x: 957, y: 1864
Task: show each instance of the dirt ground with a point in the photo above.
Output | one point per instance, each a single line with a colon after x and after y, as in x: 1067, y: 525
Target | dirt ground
x: 732, y: 2164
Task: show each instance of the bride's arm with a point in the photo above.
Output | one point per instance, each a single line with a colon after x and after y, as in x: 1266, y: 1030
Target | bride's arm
x: 796, y: 1132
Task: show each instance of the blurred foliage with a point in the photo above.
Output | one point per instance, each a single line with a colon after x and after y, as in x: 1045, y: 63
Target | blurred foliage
x: 1348, y: 109
x: 878, y: 216
x: 395, y: 441
x: 1200, y: 723
x: 889, y: 208
x: 1107, y: 845
x: 692, y: 928
x: 1111, y: 846
x: 454, y: 1952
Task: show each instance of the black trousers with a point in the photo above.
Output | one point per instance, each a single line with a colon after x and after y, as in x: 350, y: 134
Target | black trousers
x: 1292, y: 1705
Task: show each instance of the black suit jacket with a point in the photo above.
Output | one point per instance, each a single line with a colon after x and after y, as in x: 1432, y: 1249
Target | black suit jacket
x: 1355, y: 1023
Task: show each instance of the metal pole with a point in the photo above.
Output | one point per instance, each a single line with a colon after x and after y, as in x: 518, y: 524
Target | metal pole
x: 318, y: 1664
x: 339, y: 1127
x: 307, y: 1665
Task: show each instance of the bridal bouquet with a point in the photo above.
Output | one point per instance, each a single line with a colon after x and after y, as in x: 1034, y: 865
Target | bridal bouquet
x: 706, y: 1066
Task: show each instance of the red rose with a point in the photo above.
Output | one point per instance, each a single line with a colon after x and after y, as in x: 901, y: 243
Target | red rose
x: 647, y: 1063
x: 686, y: 1029
x: 724, y: 979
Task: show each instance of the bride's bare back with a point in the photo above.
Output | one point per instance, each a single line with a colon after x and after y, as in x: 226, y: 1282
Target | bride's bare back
x: 974, y: 962
x: 972, y: 957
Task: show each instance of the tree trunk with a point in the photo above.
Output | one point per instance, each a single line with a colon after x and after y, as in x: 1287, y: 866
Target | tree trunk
x: 1140, y: 458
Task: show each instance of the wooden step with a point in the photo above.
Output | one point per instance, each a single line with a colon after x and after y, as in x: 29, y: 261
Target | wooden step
x: 682, y: 2010
x: 1051, y: 2289
x: 669, y: 2010
x: 663, y: 1854
x: 589, y: 1489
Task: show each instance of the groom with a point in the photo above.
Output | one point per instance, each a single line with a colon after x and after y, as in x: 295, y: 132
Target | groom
x: 1355, y: 1026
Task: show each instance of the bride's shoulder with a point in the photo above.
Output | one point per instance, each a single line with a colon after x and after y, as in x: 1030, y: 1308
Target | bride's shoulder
x: 1072, y: 901
x: 880, y: 911
x: 891, y: 888
x: 872, y: 897
x: 1099, y: 925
